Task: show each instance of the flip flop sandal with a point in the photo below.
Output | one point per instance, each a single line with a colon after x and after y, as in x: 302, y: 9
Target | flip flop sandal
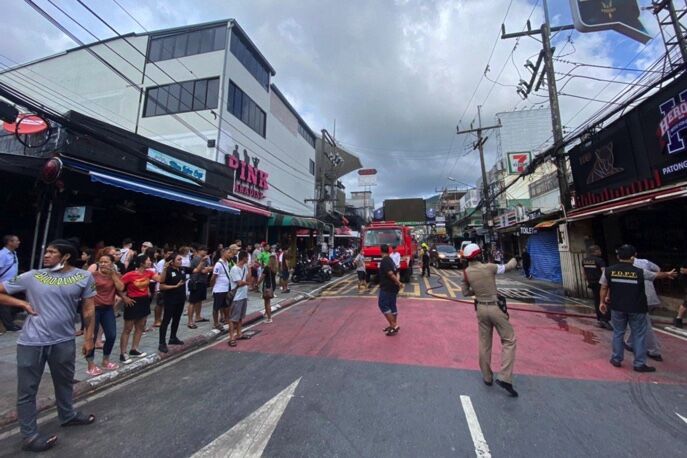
x: 387, y: 329
x: 244, y: 337
x: 202, y: 320
x: 393, y: 331
x: 80, y: 419
x: 39, y: 443
x: 231, y: 343
x: 192, y: 326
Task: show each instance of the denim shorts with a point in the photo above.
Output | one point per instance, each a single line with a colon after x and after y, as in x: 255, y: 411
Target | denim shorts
x: 387, y: 302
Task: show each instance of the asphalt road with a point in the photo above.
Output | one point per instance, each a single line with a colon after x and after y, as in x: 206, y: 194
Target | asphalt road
x: 323, y: 380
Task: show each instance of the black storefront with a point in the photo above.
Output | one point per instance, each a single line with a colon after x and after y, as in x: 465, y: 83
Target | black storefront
x: 631, y: 182
x: 114, y: 184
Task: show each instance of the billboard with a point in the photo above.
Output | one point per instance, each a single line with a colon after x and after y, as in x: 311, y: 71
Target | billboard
x: 619, y: 15
x: 518, y: 162
x: 402, y: 210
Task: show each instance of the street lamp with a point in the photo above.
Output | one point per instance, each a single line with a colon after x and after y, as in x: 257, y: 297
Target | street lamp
x: 460, y: 182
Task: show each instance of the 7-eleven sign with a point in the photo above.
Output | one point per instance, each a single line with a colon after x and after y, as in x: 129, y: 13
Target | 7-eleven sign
x: 518, y: 162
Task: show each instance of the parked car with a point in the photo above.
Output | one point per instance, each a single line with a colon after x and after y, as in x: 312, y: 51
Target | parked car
x: 445, y: 256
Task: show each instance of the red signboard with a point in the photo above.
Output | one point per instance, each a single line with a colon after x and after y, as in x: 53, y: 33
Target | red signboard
x: 367, y: 172
x: 26, y: 124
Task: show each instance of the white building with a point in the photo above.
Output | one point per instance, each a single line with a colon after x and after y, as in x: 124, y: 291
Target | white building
x: 363, y: 203
x: 205, y: 89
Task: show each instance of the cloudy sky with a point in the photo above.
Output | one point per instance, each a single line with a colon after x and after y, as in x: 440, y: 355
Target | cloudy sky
x: 394, y: 76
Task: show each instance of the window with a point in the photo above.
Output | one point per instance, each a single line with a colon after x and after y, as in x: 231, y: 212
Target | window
x: 250, y: 59
x: 182, y: 97
x: 312, y: 167
x: 305, y: 133
x: 244, y: 108
x: 391, y: 237
x: 187, y: 43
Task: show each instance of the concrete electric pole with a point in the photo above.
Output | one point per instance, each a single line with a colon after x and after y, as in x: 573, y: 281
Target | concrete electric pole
x: 479, y: 145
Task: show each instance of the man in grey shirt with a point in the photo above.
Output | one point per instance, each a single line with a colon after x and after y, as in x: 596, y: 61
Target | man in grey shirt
x: 9, y: 267
x: 53, y: 294
x: 653, y: 346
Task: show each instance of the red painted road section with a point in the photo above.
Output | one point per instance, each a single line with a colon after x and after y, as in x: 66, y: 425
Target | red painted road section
x: 443, y: 334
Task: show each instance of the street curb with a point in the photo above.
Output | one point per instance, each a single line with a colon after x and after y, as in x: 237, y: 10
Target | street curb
x: 85, y: 387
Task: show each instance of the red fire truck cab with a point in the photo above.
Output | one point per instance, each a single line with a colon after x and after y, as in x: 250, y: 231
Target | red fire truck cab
x: 394, y: 235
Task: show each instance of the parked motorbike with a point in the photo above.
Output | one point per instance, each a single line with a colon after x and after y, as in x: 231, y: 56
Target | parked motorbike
x: 308, y: 271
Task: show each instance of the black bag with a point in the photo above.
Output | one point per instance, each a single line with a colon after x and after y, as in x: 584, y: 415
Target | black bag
x: 232, y: 292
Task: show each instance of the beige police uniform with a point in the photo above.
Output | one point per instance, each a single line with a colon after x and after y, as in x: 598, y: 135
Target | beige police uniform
x: 481, y: 283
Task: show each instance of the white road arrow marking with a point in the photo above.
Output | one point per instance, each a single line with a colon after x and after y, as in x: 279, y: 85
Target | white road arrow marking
x: 683, y: 418
x: 481, y: 446
x: 249, y: 437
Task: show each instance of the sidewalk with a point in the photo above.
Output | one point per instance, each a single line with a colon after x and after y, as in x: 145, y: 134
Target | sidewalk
x: 83, y: 383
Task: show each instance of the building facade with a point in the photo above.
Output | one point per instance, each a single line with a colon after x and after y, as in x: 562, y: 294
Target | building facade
x: 145, y: 111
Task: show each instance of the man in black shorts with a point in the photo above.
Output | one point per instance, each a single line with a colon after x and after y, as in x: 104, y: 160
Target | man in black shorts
x: 198, y: 285
x: 389, y: 285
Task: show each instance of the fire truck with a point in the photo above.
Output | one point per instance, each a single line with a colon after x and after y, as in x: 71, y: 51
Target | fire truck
x: 394, y: 235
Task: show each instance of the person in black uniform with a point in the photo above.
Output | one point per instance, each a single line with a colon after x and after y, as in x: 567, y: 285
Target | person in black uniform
x: 526, y: 264
x: 628, y: 304
x: 173, y: 288
x: 594, y: 266
x: 425, y: 260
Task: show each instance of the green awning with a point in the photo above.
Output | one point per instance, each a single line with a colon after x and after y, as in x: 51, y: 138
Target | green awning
x: 280, y: 220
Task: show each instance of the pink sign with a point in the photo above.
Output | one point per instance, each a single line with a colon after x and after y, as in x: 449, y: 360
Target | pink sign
x: 249, y: 180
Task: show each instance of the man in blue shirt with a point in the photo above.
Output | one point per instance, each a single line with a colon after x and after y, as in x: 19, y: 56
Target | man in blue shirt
x: 9, y: 267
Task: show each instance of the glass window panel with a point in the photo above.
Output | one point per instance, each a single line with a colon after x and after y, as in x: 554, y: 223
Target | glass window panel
x: 162, y: 95
x: 193, y: 46
x: 167, y: 48
x: 155, y: 50
x: 238, y: 102
x: 180, y: 45
x: 245, y: 111
x: 262, y: 123
x: 207, y: 40
x: 151, y: 102
x: 199, y: 95
x: 173, y: 98
x: 220, y: 38
x: 186, y: 96
x: 213, y: 93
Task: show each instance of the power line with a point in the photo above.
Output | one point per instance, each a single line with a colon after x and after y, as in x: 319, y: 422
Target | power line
x: 64, y: 30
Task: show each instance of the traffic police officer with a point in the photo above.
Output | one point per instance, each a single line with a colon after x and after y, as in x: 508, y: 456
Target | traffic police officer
x: 628, y: 304
x: 479, y: 280
x: 594, y: 266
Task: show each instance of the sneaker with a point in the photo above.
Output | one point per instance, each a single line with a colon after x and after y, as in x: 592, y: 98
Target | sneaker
x: 110, y: 366
x: 137, y: 354
x: 268, y: 320
x: 644, y: 368
x: 655, y: 357
x: 162, y: 348
x: 175, y: 341
x: 508, y: 387
x: 677, y: 322
x: 124, y: 359
x: 616, y: 363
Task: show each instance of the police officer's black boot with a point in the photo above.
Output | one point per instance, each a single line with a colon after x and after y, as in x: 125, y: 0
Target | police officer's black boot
x: 508, y: 387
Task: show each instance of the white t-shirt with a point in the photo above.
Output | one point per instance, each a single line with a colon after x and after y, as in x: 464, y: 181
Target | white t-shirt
x: 220, y: 272
x: 237, y: 274
x: 396, y: 257
x: 159, y: 267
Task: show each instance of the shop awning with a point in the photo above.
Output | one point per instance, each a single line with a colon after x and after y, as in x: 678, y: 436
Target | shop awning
x: 158, y: 191
x: 547, y: 224
x: 244, y: 207
x: 625, y: 204
x: 281, y: 220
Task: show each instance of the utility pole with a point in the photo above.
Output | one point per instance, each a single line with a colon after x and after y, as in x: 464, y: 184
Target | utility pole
x: 479, y: 145
x: 557, y: 128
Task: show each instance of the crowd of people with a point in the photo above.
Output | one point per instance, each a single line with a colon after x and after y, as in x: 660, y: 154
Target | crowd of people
x: 165, y: 282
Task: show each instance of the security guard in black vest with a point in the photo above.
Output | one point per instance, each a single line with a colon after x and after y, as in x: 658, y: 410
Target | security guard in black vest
x: 594, y: 266
x: 622, y: 289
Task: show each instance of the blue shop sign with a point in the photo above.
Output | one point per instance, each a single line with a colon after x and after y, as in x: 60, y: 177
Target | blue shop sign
x: 183, y: 167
